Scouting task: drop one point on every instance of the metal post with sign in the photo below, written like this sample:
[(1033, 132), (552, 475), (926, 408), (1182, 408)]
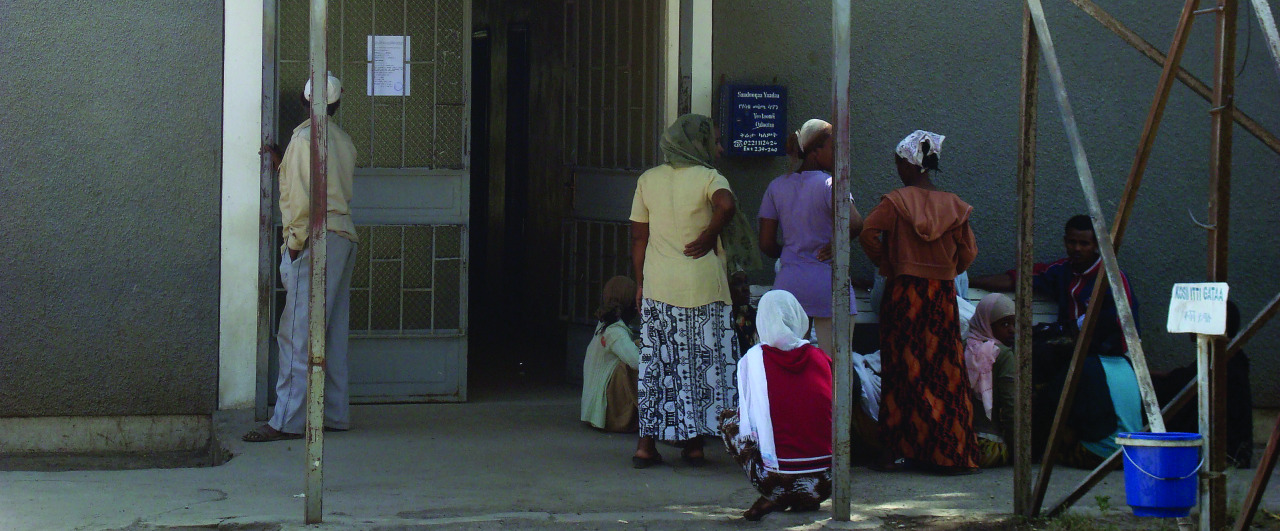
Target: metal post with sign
[(1201, 309)]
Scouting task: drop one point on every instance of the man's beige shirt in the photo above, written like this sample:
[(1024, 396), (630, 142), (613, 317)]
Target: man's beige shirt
[(295, 185)]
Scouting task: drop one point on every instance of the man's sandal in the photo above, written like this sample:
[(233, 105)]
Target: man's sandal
[(265, 433)]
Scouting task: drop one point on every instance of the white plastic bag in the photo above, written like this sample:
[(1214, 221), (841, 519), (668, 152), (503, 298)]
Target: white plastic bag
[(868, 368)]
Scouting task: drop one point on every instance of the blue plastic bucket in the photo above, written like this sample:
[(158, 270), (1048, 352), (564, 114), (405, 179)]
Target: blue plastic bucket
[(1160, 472)]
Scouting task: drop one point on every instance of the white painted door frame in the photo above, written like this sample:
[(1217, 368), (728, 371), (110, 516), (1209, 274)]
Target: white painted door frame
[(241, 203), (247, 256), (701, 87), (695, 36)]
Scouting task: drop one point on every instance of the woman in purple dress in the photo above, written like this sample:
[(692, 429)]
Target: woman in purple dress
[(800, 204)]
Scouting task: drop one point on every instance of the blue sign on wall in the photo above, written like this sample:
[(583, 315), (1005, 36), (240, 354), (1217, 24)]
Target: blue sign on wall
[(753, 120)]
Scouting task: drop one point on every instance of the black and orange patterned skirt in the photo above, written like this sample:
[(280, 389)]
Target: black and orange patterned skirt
[(925, 411)]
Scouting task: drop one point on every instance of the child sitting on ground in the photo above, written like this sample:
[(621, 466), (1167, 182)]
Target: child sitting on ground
[(609, 370)]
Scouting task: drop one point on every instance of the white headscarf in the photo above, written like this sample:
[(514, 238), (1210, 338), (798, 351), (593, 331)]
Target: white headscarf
[(810, 130), (912, 147), (780, 321)]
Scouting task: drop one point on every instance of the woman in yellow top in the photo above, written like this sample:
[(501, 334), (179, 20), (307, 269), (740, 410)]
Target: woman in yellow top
[(687, 343)]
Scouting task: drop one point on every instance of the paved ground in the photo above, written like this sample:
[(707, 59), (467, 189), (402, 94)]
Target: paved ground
[(518, 459)]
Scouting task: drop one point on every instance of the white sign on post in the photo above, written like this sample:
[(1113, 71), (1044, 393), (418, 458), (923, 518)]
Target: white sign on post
[(387, 65), (1198, 309)]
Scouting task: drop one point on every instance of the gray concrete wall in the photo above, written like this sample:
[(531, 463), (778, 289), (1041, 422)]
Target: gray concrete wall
[(953, 68), (109, 202)]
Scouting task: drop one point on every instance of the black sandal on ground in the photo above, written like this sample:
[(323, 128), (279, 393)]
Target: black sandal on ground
[(265, 433), (761, 507), (693, 461), (689, 449), (646, 462)]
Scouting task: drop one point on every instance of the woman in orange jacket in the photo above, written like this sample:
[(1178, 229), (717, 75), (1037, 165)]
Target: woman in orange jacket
[(920, 239)]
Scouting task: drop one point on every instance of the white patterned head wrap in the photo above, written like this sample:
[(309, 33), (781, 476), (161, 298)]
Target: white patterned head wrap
[(912, 147)]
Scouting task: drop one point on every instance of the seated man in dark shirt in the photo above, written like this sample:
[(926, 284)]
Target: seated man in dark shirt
[(1068, 281), (1099, 410)]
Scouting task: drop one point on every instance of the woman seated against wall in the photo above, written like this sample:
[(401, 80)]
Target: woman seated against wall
[(781, 432), (609, 371), (988, 359)]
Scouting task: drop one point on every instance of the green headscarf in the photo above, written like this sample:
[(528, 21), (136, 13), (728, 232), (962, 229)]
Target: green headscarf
[(691, 141)]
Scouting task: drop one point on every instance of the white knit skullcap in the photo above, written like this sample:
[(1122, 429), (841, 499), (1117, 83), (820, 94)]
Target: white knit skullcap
[(335, 89), (809, 131)]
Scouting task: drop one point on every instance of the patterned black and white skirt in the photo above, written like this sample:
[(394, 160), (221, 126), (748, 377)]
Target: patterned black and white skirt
[(688, 369)]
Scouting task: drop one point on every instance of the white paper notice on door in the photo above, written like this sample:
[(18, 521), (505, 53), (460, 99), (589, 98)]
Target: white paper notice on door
[(387, 61)]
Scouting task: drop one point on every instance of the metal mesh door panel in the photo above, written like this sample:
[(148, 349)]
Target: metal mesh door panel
[(388, 131), (594, 252), (611, 83), (407, 282)]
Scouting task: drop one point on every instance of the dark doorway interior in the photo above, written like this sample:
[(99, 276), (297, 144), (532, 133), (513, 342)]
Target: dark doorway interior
[(516, 205), (480, 315), (481, 48), (530, 361)]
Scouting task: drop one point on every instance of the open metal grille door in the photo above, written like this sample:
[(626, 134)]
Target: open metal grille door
[(409, 289), (613, 121)]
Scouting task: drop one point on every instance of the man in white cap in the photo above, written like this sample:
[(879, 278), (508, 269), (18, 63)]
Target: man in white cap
[(288, 420)]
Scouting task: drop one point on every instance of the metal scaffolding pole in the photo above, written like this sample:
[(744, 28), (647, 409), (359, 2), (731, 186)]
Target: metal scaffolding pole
[(1128, 199), (1197, 86), (318, 228), (1022, 498), (1262, 9), (1213, 399), (1171, 71), (842, 408), (1260, 479), (1110, 265)]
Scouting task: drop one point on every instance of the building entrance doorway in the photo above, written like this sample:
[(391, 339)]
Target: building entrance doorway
[(411, 205)]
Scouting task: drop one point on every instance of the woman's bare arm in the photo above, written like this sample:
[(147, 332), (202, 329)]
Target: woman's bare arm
[(723, 206), (639, 243), (768, 236)]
